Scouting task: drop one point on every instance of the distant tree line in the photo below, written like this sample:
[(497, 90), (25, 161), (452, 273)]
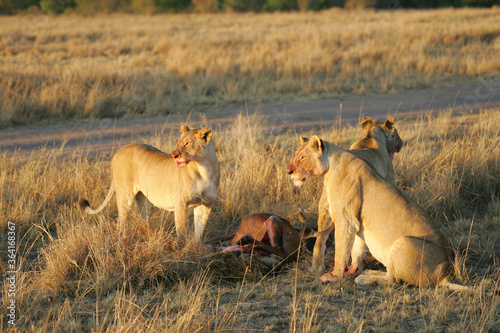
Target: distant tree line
[(157, 6)]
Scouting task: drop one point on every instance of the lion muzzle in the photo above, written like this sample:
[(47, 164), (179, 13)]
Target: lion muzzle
[(297, 177), (179, 160)]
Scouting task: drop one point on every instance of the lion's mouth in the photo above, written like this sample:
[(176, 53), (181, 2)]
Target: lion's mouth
[(181, 165), (395, 150), (298, 181)]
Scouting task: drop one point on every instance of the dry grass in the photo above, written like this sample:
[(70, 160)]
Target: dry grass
[(74, 274), (123, 65)]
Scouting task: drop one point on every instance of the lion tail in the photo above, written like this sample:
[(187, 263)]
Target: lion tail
[(85, 205), (458, 287), (311, 233)]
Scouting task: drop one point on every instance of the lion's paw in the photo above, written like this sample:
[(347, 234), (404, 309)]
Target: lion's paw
[(330, 278)]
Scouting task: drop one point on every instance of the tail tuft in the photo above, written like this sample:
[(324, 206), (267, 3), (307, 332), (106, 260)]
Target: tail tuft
[(83, 203)]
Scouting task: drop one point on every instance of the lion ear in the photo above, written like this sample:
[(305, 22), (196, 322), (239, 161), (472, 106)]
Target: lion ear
[(205, 134), (303, 140), (366, 122), (316, 143), (389, 124), (184, 129)]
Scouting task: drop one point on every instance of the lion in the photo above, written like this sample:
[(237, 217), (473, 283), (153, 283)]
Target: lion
[(394, 228), (377, 147), (379, 144), (189, 177)]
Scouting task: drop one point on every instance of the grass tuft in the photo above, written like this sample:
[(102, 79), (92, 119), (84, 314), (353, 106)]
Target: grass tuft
[(76, 274), (72, 67)]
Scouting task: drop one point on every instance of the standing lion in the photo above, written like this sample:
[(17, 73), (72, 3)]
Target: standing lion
[(189, 177)]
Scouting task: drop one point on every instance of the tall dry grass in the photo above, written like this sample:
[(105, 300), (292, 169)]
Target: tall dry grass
[(130, 65), (75, 274)]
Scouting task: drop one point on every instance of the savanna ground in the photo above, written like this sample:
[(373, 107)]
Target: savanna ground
[(74, 274)]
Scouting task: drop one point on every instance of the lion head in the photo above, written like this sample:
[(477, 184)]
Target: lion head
[(191, 145), (385, 132), (307, 161)]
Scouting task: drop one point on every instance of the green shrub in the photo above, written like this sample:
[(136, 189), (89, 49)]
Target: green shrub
[(173, 5), (99, 6), (281, 5), (243, 6), (476, 3), (54, 7), (14, 6)]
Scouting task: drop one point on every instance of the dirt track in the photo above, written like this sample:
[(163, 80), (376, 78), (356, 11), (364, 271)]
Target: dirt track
[(104, 135)]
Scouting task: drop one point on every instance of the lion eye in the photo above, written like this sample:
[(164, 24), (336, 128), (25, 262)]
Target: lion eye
[(187, 144), (302, 158)]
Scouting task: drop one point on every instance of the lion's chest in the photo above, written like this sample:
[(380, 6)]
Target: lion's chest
[(202, 192)]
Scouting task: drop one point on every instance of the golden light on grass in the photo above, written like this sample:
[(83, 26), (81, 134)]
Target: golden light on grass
[(129, 65), (76, 274)]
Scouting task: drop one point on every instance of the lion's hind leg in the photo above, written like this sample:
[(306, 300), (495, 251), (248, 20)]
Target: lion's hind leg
[(358, 253), (369, 277), (124, 201), (419, 261)]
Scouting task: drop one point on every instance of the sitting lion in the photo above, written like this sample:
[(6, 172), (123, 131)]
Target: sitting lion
[(187, 177), (377, 147), (397, 231)]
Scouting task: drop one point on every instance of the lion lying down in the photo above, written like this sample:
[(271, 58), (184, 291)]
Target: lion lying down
[(395, 229)]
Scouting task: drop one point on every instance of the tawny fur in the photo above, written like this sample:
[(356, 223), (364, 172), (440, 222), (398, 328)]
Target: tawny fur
[(377, 147), (397, 231), (189, 177)]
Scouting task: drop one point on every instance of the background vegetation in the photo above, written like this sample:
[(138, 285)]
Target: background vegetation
[(75, 274), (155, 6), (74, 67)]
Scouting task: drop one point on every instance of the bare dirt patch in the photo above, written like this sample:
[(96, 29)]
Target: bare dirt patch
[(109, 134)]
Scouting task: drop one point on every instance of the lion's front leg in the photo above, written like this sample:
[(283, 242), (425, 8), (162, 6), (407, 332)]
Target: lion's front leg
[(181, 220), (345, 233), (201, 214), (324, 222)]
